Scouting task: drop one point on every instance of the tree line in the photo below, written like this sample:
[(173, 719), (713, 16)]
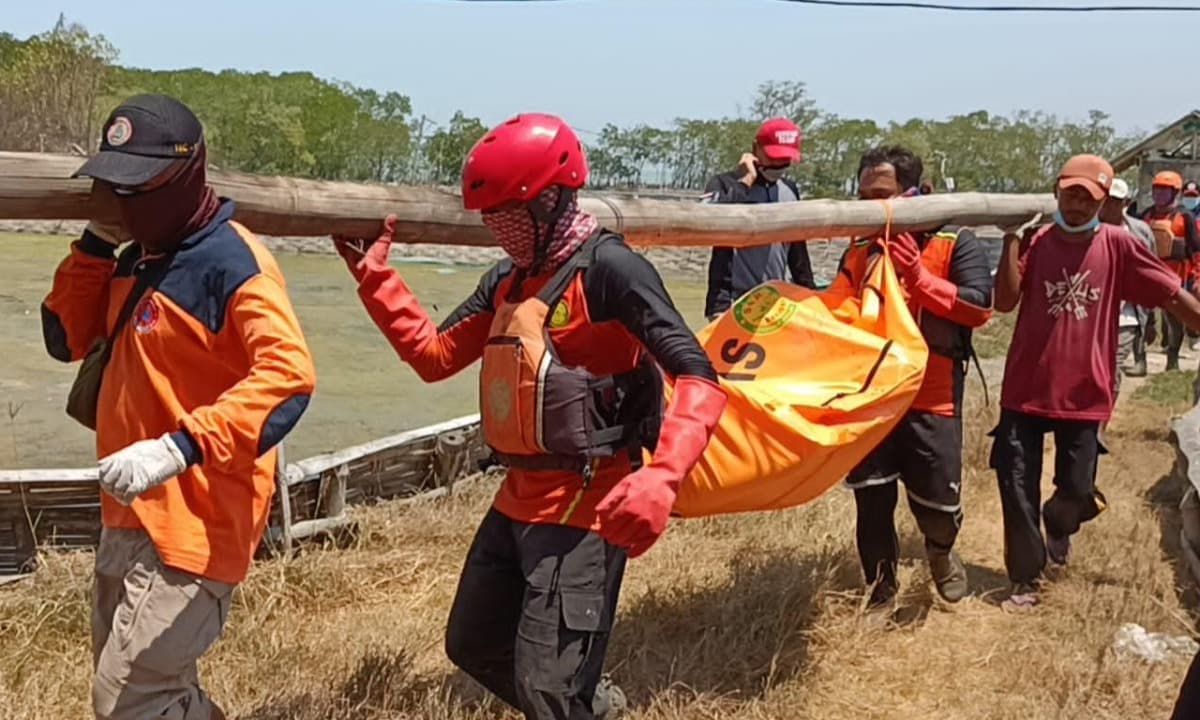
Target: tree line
[(57, 87)]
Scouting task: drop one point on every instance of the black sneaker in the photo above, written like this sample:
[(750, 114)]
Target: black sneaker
[(882, 594)]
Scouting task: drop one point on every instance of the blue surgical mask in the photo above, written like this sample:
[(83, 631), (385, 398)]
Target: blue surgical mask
[(1189, 202), (1089, 226)]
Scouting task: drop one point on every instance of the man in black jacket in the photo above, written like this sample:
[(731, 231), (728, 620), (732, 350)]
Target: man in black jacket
[(757, 179)]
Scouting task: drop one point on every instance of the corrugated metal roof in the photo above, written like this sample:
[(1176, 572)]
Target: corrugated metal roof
[(1163, 138)]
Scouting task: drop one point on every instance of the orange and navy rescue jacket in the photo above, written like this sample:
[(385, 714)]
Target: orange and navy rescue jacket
[(611, 312), (212, 354), (953, 254)]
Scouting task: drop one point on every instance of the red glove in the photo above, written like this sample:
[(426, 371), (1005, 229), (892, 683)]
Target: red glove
[(926, 289), (906, 258), (361, 252), (394, 308), (634, 513)]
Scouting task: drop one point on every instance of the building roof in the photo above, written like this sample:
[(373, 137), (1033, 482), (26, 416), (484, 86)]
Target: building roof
[(1173, 141)]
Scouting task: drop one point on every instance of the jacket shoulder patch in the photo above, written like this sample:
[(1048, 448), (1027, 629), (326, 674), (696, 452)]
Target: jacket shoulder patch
[(202, 278)]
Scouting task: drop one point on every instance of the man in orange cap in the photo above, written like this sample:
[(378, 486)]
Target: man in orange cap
[(1069, 279), (758, 178), (1177, 243)]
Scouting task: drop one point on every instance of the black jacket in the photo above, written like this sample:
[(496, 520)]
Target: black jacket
[(734, 271)]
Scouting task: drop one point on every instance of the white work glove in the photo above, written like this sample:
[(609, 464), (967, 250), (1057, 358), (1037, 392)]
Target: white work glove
[(136, 468)]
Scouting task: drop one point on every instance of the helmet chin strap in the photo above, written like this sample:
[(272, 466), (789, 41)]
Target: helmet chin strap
[(550, 218)]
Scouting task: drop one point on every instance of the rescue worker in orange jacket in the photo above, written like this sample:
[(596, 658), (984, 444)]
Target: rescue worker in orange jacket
[(948, 280), (572, 329), (1178, 245), (208, 372)]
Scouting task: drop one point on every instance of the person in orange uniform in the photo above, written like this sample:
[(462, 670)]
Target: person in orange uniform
[(572, 329), (949, 284), (208, 371), (1178, 243)]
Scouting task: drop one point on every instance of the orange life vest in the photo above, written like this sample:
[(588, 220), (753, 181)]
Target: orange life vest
[(1169, 241), (540, 414)]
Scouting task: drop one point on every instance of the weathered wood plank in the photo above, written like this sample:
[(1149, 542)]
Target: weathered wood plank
[(54, 476), (35, 186), (359, 453)]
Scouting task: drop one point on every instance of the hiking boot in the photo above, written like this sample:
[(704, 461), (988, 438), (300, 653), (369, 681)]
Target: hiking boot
[(949, 575), (1024, 597), (609, 702), (1058, 549)]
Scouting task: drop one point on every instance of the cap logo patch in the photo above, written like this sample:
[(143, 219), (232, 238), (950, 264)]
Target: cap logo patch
[(787, 137), (119, 132), (1103, 177)]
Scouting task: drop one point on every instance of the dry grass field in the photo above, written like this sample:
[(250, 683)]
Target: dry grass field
[(738, 617)]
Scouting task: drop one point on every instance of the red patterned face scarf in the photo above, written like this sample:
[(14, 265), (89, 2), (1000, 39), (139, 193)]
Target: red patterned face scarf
[(522, 231)]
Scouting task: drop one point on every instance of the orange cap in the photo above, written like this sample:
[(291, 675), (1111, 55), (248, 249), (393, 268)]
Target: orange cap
[(1170, 179), (1087, 171)]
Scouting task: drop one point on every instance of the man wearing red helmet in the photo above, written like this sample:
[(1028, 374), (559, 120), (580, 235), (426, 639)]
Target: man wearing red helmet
[(572, 329), (757, 179)]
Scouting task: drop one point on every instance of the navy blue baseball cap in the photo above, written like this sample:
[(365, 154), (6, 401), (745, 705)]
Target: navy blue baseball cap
[(142, 138)]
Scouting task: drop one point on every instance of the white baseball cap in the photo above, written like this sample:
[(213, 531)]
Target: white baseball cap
[(1119, 189)]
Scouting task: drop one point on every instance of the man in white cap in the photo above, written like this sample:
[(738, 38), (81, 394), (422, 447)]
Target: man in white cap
[(1133, 320)]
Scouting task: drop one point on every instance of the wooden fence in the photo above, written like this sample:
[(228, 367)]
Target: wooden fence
[(61, 507)]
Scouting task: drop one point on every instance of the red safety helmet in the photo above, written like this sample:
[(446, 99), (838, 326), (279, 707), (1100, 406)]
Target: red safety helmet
[(520, 158)]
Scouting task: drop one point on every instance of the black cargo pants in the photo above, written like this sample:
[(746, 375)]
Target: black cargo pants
[(925, 452), (1017, 459), (1187, 704), (532, 615)]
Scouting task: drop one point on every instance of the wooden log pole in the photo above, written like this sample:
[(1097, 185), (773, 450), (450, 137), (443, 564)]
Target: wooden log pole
[(449, 457), (36, 186)]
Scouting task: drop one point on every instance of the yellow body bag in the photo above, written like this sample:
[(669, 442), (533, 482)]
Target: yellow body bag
[(815, 381)]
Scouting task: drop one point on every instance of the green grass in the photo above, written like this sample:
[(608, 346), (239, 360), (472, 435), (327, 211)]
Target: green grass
[(364, 390), (1172, 390)]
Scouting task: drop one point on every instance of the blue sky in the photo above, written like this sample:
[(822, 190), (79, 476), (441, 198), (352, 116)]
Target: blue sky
[(635, 61)]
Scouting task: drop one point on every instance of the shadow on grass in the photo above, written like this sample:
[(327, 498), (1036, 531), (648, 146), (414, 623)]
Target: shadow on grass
[(383, 685), (1165, 496), (739, 638)]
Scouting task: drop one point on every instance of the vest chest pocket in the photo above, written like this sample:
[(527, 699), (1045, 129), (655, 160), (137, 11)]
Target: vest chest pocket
[(507, 391)]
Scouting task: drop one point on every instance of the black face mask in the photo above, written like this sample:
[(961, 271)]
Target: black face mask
[(158, 219), (772, 174)]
